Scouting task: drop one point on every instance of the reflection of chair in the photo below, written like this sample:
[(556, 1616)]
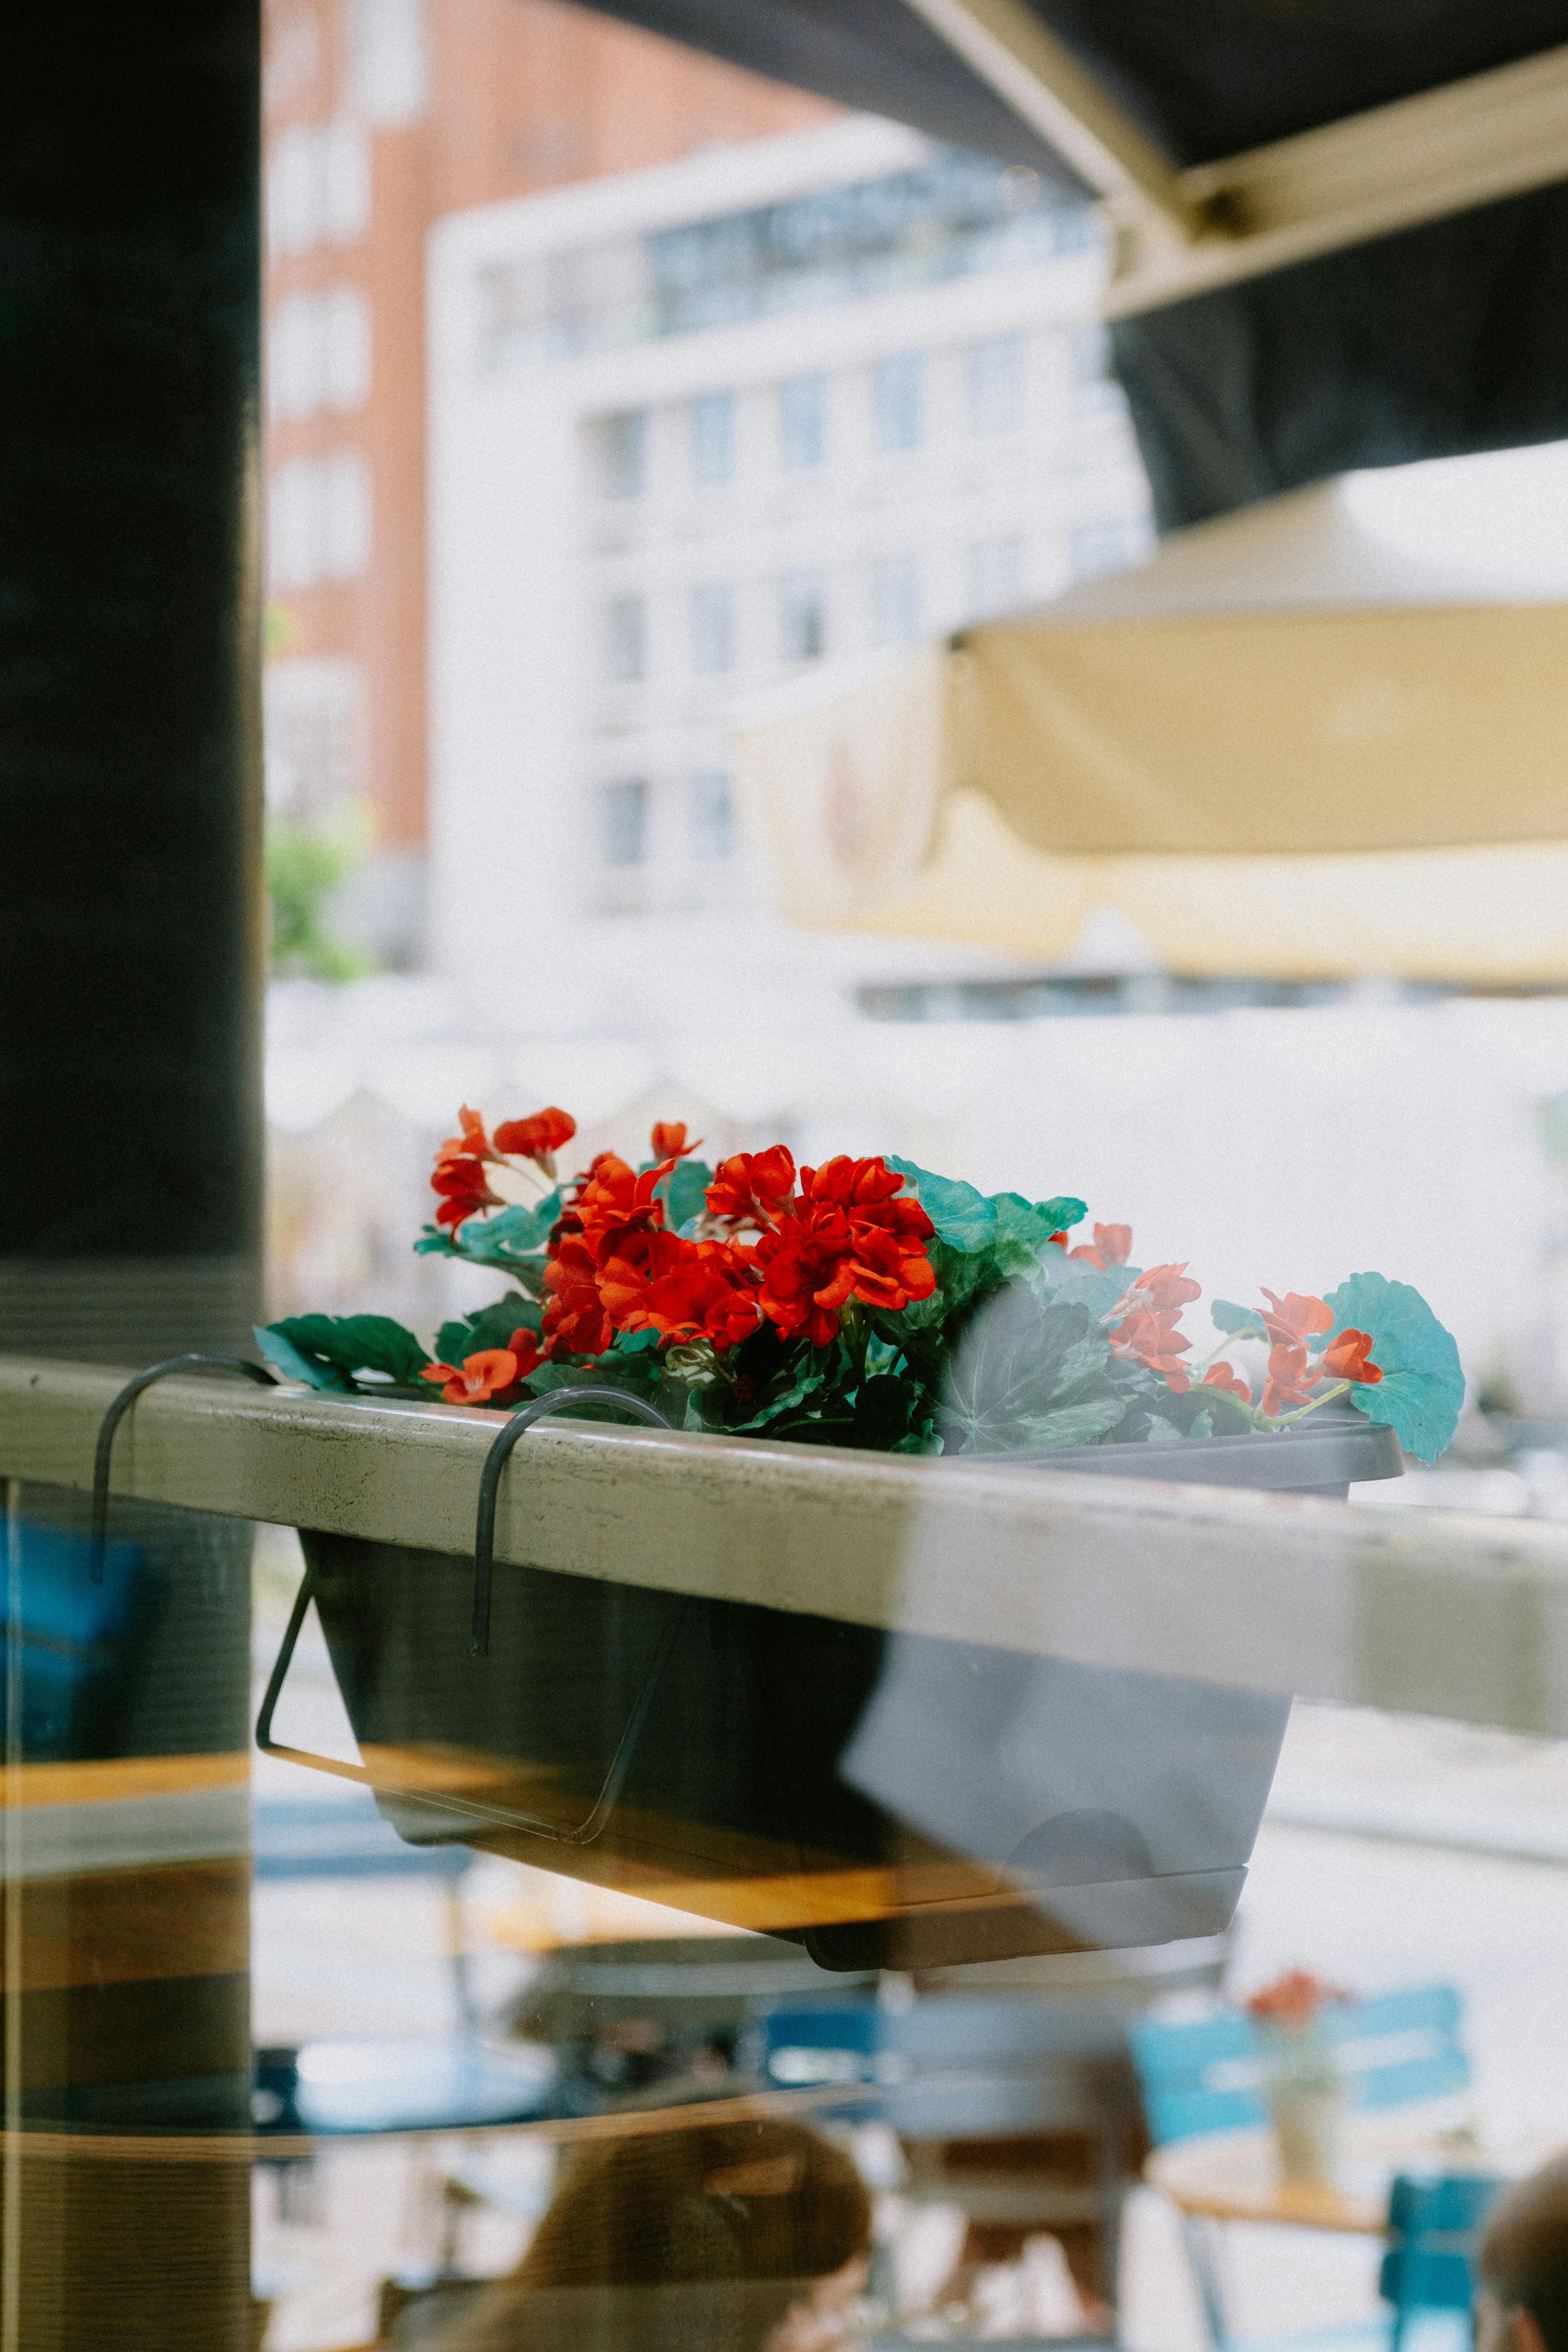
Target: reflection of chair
[(76, 1638), (1209, 2075), (1020, 2112), (1432, 2227)]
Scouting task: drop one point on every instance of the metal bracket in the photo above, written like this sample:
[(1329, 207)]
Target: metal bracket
[(116, 1415), (594, 1823)]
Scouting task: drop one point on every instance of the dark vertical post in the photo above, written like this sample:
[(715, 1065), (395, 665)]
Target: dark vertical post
[(130, 948)]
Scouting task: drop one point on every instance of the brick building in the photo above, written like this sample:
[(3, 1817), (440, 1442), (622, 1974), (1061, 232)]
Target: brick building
[(380, 116)]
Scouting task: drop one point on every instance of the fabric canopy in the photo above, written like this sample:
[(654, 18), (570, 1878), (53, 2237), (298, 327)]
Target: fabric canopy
[(1448, 336), (1284, 745)]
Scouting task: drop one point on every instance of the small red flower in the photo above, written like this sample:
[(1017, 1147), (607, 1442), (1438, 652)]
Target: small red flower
[(472, 1141), (1294, 2000), (464, 1188), (1221, 1376), (1295, 1317), (1153, 1339), (751, 1188), (1164, 1287), (1348, 1356), (669, 1139), (1059, 1241), (478, 1380), (576, 1322), (808, 1271), (1113, 1246), (1291, 1378), (538, 1137)]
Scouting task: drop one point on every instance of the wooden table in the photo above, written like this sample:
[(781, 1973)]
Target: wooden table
[(1220, 2176)]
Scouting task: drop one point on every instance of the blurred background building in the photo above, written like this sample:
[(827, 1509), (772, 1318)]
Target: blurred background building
[(382, 116)]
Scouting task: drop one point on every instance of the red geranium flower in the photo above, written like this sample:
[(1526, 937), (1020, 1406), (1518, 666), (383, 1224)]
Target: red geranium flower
[(1295, 1317), (1294, 2000), (1291, 1378), (751, 1188), (464, 1188), (1164, 1287), (575, 1317), (538, 1137), (1113, 1246), (807, 1267), (1221, 1376), (478, 1378), (472, 1141), (1153, 1339), (669, 1139), (1348, 1356), (684, 1290)]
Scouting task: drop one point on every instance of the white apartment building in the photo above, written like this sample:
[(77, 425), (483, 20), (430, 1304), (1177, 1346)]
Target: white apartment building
[(693, 431)]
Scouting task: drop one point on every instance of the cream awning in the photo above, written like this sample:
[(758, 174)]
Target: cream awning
[(1284, 745)]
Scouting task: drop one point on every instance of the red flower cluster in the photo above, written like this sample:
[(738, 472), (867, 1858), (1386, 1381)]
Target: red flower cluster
[(1113, 1246), (1149, 1312), (795, 1256), (1293, 2001), (459, 1172)]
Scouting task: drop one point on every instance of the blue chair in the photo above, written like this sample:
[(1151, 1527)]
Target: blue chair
[(1433, 2222), (1208, 2076), (75, 1639)]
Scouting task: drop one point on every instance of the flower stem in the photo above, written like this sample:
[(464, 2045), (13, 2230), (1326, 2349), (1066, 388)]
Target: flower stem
[(1302, 1411)]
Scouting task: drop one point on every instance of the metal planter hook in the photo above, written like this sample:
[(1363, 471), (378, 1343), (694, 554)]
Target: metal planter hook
[(116, 1415), (496, 1462)]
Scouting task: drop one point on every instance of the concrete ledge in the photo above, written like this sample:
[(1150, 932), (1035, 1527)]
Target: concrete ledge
[(1431, 1612)]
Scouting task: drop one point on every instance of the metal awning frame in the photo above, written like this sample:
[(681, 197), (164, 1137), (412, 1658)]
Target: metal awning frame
[(1184, 232)]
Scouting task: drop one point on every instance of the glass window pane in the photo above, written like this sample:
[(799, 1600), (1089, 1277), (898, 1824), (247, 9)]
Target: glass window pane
[(802, 616), (898, 402), (713, 427), (895, 600), (710, 816), (624, 823), (712, 627), (622, 448), (996, 568), (997, 374), (803, 423), (626, 639)]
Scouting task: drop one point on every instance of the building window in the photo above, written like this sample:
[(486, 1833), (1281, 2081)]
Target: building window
[(997, 371), (320, 519), (390, 58), (995, 575), (623, 454), (1095, 390), (803, 424), (626, 639), (318, 353), (802, 616), (712, 627), (318, 186), (313, 734), (712, 419), (895, 600), (623, 827), (898, 402), (710, 818), (1109, 543)]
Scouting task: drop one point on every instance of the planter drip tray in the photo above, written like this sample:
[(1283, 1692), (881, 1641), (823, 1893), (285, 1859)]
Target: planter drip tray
[(888, 1800)]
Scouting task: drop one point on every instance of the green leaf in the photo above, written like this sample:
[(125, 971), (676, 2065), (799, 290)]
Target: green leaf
[(345, 1344), (508, 1239), (1018, 1365), (965, 1219), (1423, 1383), (1237, 1320), (488, 1326), (1072, 1424), (1062, 1213), (682, 1192), (285, 1358)]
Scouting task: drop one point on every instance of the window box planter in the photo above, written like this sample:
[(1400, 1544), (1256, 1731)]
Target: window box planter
[(889, 1796)]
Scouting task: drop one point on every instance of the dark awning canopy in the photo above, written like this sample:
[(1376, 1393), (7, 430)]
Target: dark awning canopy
[(1341, 226)]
